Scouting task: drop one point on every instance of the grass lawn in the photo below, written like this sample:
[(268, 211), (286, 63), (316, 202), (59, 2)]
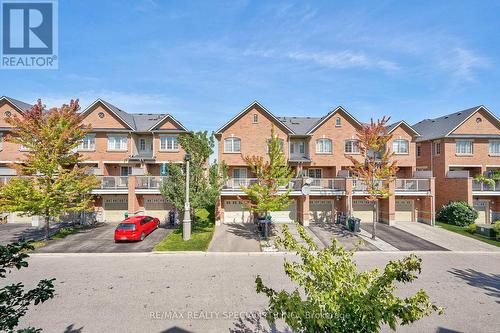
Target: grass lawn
[(61, 233), (201, 235), (463, 231)]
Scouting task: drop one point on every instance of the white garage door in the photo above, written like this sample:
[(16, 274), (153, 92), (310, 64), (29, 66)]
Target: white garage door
[(362, 209), (115, 208), (157, 207), (404, 210), (17, 218), (321, 211), (483, 208), (234, 212), (288, 215)]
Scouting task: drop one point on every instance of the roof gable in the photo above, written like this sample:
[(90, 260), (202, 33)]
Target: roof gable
[(252, 106), (330, 114), (16, 104), (403, 124), (489, 123), (124, 118), (167, 122)]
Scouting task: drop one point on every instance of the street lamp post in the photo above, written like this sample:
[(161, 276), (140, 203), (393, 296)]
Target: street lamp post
[(186, 223)]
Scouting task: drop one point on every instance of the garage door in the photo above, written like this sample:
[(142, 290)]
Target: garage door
[(115, 208), (482, 207), (288, 215), (234, 212), (404, 210), (17, 218), (362, 209), (321, 211), (157, 207)]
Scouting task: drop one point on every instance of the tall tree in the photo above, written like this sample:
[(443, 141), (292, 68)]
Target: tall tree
[(51, 179), (376, 168), (205, 179), (273, 174)]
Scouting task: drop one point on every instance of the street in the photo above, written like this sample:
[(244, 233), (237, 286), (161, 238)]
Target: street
[(209, 292)]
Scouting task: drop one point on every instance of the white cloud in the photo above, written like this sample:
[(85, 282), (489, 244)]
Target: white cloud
[(462, 63)]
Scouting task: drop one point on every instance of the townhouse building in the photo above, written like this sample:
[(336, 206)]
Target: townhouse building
[(317, 150), (127, 151), (456, 148)]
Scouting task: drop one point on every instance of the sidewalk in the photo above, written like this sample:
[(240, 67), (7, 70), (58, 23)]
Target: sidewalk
[(447, 239)]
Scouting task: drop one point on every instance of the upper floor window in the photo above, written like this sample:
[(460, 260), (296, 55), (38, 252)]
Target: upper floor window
[(463, 147), (400, 146), (88, 142), (351, 147), (419, 150), (297, 147), (255, 118), (232, 145), (169, 143), (239, 173), (494, 148), (324, 146), (437, 148), (315, 173), (117, 142), (338, 122)]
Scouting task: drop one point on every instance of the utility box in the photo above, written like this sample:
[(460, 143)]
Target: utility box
[(485, 230)]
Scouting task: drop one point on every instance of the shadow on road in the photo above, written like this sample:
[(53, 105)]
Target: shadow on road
[(71, 329), (490, 283), (245, 230)]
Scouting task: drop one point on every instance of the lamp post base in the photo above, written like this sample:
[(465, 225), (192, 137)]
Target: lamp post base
[(186, 230)]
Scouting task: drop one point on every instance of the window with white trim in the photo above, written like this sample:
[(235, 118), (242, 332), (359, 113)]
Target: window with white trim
[(400, 146), (232, 145), (351, 147), (88, 143), (463, 147), (494, 148), (324, 146), (169, 143), (315, 173), (142, 144), (240, 173), (437, 148), (338, 122), (117, 142), (255, 118)]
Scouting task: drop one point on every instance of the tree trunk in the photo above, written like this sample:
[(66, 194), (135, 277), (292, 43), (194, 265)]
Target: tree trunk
[(374, 229), (47, 225)]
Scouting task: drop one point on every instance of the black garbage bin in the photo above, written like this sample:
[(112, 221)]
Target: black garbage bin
[(354, 224), (264, 227)]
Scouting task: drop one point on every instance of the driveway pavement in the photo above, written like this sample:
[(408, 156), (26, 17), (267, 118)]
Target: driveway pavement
[(100, 240), (235, 237), (215, 292), (400, 239), (11, 232), (325, 232)]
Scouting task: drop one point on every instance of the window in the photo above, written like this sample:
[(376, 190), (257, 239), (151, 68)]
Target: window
[(494, 147), (338, 122), (232, 145), (315, 173), (169, 143), (463, 147), (351, 147), (117, 142), (255, 118), (88, 143), (437, 148), (419, 150), (324, 146), (240, 173), (142, 144), (400, 146), (269, 142), (300, 146)]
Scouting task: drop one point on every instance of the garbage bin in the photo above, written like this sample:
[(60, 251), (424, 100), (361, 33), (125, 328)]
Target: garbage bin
[(264, 227), (354, 224), (171, 217)]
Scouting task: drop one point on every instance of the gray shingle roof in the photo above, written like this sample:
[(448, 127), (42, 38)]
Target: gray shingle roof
[(300, 125), (144, 121), (430, 129), (126, 117), (19, 104)]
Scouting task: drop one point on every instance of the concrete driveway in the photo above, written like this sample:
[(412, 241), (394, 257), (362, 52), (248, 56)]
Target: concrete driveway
[(235, 237), (100, 240), (402, 240), (325, 232)]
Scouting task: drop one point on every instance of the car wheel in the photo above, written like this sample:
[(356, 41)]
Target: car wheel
[(142, 236)]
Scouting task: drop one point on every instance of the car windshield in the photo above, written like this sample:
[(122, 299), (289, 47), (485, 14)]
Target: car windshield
[(126, 226)]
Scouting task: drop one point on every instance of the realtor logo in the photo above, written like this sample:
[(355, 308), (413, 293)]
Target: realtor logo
[(29, 34)]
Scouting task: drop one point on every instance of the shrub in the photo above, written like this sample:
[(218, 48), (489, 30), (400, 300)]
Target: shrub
[(496, 229), (457, 213), (471, 228)]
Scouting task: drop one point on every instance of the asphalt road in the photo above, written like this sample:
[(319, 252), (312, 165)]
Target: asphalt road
[(149, 292), (100, 240)]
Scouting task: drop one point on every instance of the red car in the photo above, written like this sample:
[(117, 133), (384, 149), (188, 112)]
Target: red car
[(135, 228)]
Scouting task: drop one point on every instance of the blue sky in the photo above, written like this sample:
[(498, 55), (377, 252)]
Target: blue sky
[(204, 61)]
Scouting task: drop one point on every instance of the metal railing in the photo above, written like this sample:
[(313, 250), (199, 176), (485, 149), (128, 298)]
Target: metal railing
[(149, 182), (413, 185), (234, 184), (359, 185), (5, 179), (113, 182), (337, 184), (483, 187)]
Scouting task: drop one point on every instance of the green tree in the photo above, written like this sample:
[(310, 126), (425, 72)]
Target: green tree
[(205, 179), (51, 180), (14, 300), (376, 168), (273, 174), (333, 296)]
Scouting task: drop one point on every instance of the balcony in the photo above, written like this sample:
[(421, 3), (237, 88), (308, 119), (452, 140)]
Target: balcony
[(487, 188), (113, 183), (149, 182), (360, 186), (327, 184), (233, 185), (412, 185), (4, 179)]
